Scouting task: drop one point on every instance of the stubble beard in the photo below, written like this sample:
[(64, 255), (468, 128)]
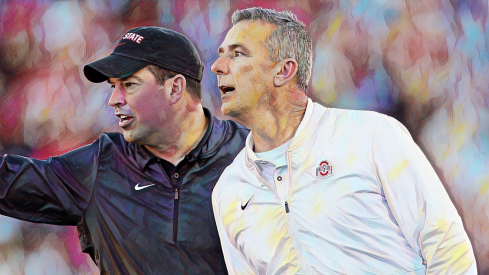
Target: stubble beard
[(137, 136)]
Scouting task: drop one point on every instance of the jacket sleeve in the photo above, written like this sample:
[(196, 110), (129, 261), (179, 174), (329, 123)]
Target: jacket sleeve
[(236, 262), (55, 191), (419, 202)]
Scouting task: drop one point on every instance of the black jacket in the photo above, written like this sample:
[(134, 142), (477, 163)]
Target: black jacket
[(132, 218)]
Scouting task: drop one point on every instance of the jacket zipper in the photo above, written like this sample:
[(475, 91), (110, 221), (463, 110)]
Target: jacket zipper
[(176, 204), (290, 216)]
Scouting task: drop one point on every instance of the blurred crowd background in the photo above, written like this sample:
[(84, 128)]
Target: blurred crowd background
[(424, 62)]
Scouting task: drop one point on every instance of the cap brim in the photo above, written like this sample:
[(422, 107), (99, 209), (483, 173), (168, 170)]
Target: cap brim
[(116, 66)]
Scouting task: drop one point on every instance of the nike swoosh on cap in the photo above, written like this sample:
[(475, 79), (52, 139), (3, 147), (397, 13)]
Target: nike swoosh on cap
[(137, 187)]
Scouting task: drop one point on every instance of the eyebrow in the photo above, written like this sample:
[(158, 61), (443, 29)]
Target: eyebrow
[(233, 47), (126, 78)]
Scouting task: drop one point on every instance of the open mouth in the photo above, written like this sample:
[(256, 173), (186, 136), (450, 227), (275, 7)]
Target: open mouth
[(225, 89), (124, 120)]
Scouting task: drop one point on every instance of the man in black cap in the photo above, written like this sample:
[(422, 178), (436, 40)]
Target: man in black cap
[(141, 199)]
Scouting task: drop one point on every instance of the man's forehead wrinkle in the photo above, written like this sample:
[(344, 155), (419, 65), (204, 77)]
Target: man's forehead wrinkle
[(260, 29)]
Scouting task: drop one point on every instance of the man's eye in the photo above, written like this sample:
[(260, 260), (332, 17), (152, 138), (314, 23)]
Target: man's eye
[(236, 53), (129, 84), (112, 86)]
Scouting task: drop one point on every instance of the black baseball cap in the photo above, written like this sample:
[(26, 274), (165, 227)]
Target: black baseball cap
[(144, 46)]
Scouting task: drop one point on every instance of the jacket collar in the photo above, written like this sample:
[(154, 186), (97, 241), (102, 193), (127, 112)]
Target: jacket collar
[(314, 114), (207, 146)]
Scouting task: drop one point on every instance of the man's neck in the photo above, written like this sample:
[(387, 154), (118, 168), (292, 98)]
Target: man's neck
[(185, 136), (277, 124)]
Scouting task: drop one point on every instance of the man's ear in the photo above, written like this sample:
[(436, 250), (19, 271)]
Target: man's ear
[(287, 71), (178, 86)]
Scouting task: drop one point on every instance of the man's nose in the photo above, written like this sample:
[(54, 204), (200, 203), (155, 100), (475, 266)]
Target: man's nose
[(117, 97), (220, 66)]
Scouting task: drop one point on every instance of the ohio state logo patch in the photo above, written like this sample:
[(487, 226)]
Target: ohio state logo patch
[(324, 169)]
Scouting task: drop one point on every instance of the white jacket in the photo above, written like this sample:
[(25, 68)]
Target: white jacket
[(362, 199)]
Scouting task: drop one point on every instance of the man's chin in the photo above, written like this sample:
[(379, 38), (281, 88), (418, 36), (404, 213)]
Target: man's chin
[(129, 137), (229, 111)]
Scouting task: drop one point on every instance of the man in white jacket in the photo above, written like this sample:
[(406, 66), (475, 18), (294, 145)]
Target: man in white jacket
[(319, 190)]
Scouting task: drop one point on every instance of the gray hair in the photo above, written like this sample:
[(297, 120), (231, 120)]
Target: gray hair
[(290, 40)]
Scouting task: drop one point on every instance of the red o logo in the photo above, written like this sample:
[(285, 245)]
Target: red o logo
[(323, 168)]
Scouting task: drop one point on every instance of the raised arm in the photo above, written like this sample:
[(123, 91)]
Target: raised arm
[(54, 191)]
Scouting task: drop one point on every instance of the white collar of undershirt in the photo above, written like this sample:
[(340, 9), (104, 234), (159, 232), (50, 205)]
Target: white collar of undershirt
[(276, 155)]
